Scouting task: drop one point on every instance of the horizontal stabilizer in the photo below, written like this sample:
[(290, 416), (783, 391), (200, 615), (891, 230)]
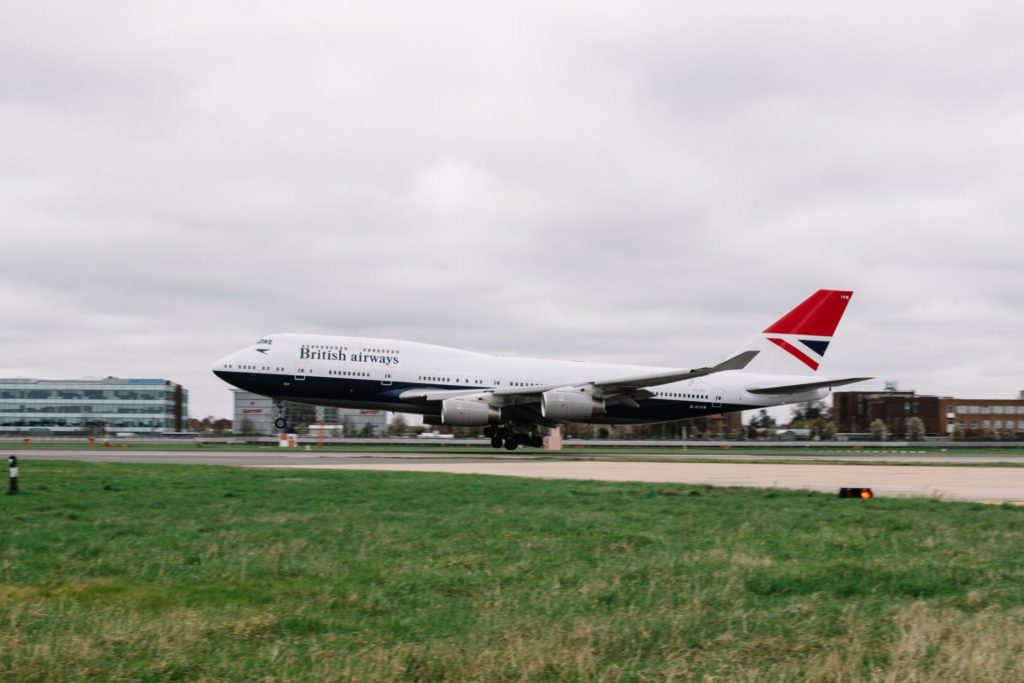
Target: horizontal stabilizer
[(805, 386)]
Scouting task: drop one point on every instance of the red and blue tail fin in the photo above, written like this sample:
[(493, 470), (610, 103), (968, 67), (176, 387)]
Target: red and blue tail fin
[(796, 343)]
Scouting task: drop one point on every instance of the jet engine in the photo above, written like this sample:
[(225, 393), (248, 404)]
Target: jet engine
[(570, 405), (459, 412)]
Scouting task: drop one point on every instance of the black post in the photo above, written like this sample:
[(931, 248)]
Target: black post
[(12, 462)]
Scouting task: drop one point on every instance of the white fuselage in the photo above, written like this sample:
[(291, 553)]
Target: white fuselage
[(373, 373)]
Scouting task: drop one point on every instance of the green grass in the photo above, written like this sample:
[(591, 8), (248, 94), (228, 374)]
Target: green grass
[(161, 572)]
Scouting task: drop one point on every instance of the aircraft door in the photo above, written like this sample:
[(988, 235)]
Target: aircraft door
[(716, 397), (376, 371), (301, 368)]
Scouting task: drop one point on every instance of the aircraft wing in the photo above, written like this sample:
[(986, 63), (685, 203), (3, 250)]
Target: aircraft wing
[(630, 384), (440, 394), (605, 388), (806, 386)]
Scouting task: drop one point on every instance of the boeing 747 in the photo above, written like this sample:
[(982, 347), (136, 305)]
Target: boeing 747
[(511, 398)]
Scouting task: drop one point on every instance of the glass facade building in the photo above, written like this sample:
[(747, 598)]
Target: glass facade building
[(82, 407), (255, 415)]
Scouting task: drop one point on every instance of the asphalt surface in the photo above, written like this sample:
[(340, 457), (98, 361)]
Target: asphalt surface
[(949, 482), (197, 456), (270, 458), (984, 484)]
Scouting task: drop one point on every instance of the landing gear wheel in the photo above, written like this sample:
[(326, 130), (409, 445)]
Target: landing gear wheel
[(503, 432), (281, 423), (496, 442), (536, 441), (522, 439), (510, 443), (489, 432)]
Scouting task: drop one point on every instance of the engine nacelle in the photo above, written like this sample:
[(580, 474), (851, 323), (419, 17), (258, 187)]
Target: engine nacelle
[(459, 412), (570, 405)]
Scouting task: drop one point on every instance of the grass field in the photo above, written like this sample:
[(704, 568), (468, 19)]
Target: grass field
[(160, 572)]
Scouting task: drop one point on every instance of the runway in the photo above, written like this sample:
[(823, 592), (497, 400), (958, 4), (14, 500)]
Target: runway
[(946, 482), (983, 484)]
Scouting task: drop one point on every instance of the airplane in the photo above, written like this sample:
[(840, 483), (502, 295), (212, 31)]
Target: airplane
[(511, 398)]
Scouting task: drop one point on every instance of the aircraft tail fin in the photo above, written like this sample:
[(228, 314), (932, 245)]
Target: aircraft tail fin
[(796, 343)]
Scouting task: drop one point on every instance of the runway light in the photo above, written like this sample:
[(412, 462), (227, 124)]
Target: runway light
[(863, 494)]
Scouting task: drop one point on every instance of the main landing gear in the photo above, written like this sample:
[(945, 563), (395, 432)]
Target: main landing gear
[(511, 439)]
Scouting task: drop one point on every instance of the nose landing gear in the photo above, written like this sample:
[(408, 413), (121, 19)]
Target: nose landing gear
[(281, 422)]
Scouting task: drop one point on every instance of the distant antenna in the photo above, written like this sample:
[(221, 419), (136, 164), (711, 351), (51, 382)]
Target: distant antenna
[(892, 386)]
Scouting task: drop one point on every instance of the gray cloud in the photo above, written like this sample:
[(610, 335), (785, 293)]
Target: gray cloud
[(644, 182)]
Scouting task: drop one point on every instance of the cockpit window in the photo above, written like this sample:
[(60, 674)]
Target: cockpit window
[(264, 341)]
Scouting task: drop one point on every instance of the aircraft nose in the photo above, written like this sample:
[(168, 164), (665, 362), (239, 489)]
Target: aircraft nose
[(222, 368)]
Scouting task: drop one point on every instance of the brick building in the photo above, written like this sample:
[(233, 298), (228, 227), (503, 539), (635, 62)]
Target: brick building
[(854, 411)]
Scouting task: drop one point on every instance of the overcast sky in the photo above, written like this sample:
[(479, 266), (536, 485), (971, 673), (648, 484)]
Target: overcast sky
[(647, 182)]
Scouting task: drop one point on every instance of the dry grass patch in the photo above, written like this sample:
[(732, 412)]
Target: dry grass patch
[(115, 572)]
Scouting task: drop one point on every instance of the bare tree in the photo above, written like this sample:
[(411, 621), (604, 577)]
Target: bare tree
[(915, 429), (879, 432), (807, 414), (398, 426), (761, 425), (828, 431)]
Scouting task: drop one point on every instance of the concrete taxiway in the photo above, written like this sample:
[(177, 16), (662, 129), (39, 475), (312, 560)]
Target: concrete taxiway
[(948, 481)]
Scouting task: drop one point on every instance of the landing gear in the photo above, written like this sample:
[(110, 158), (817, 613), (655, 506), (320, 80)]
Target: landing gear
[(499, 436), (512, 439), (280, 423)]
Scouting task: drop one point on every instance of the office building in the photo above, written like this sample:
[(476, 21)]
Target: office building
[(255, 415), (92, 407)]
